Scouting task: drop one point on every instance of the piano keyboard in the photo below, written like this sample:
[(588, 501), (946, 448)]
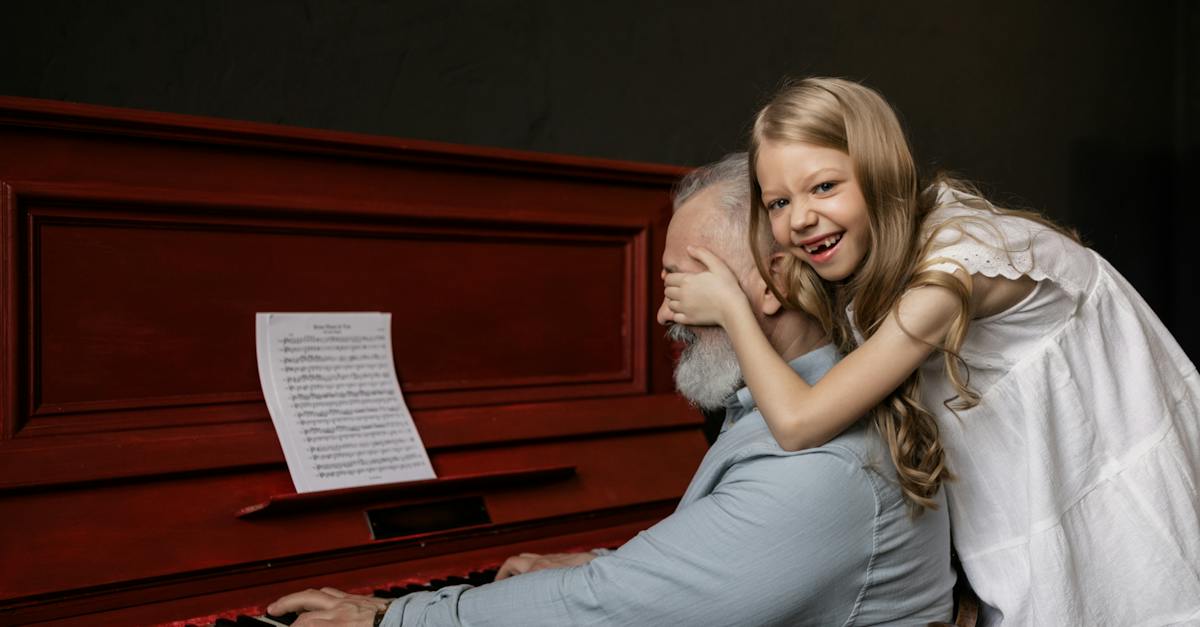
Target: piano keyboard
[(476, 578)]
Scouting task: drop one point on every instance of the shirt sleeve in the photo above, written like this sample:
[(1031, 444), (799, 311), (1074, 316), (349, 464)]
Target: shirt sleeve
[(780, 537)]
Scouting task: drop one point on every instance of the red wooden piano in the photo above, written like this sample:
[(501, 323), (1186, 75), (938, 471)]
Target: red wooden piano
[(141, 481)]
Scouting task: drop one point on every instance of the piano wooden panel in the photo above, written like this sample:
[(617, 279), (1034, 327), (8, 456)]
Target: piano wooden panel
[(477, 307), (137, 246)]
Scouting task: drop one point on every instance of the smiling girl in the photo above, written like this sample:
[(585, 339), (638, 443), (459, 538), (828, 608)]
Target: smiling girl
[(1068, 412)]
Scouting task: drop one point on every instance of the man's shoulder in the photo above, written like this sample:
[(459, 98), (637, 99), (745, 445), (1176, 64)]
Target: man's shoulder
[(856, 457), (750, 443), (750, 439)]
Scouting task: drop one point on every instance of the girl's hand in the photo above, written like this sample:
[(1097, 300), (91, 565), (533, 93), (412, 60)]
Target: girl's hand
[(704, 298)]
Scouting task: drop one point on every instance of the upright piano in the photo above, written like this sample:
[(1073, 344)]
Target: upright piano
[(141, 480)]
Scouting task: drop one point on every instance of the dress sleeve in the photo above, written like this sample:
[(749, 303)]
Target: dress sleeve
[(967, 234), (780, 537)]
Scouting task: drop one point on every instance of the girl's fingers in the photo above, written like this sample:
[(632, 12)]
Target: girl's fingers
[(712, 262), (675, 279)]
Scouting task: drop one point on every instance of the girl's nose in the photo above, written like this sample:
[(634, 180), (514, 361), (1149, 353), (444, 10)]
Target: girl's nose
[(802, 218)]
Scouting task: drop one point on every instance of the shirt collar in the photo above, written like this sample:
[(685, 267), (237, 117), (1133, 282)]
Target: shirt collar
[(811, 366)]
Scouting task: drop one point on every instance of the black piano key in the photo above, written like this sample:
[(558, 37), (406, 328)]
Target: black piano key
[(480, 577), (225, 622), (249, 621), (286, 619)]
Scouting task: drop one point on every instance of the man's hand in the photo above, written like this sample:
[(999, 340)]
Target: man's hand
[(329, 607), (529, 562)]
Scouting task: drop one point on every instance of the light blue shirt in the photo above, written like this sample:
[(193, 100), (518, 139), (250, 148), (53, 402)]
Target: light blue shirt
[(761, 537)]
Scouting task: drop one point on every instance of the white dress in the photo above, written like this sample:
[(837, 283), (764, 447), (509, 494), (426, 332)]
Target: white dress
[(1077, 497)]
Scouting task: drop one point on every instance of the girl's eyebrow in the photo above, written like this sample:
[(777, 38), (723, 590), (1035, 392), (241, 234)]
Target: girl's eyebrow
[(807, 181)]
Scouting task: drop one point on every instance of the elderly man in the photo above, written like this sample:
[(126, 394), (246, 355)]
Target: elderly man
[(761, 537)]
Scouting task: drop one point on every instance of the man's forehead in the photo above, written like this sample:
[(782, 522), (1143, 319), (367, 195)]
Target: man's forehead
[(693, 224), (698, 221)]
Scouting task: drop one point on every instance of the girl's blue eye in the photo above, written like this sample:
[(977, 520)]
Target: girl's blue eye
[(825, 187), (777, 204)]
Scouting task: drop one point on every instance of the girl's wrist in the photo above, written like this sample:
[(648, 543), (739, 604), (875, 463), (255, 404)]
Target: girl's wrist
[(739, 316)]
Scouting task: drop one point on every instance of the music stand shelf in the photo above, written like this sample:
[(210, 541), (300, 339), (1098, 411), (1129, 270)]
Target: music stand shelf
[(311, 501)]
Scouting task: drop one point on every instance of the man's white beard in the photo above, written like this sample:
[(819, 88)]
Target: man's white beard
[(708, 370)]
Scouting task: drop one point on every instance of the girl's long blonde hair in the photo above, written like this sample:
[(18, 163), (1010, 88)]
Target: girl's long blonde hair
[(854, 119)]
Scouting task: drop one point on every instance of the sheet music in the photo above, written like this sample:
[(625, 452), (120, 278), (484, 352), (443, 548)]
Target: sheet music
[(330, 385)]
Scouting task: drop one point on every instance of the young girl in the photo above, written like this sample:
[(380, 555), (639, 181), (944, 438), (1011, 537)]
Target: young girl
[(1068, 413)]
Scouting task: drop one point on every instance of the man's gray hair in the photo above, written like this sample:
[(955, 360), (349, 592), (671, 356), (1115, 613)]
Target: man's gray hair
[(708, 370), (732, 174)]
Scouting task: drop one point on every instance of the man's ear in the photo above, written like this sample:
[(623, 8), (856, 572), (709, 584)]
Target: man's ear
[(776, 265)]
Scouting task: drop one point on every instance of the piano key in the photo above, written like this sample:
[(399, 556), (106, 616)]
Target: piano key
[(249, 621), (480, 577)]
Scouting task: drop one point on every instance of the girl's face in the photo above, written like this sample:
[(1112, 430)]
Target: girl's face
[(817, 209)]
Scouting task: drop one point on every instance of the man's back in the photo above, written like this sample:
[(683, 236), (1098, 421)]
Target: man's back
[(762, 537), (844, 516)]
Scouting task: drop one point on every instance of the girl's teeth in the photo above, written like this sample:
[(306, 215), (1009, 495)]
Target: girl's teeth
[(828, 241)]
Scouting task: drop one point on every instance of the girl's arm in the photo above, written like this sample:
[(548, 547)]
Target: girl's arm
[(799, 415)]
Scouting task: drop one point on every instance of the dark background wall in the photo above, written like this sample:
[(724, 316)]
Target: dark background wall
[(1087, 111)]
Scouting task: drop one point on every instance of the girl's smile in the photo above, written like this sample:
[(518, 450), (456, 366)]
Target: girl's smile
[(817, 209), (822, 247)]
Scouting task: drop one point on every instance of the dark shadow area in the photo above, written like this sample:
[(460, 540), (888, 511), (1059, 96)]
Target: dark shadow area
[(1083, 110)]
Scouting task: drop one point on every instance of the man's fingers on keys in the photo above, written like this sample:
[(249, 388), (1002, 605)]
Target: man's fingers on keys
[(303, 601), (375, 603), (319, 618), (516, 565), (342, 615)]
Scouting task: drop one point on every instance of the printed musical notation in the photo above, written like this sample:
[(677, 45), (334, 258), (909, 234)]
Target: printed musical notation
[(331, 388)]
